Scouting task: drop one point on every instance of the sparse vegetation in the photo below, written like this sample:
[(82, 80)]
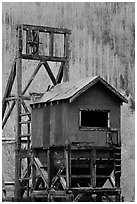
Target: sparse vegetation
[(102, 43)]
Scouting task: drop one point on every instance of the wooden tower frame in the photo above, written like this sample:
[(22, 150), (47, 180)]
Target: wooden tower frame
[(31, 53), (22, 182)]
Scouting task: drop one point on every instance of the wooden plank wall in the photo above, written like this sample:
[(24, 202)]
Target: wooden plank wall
[(94, 50), (102, 40)]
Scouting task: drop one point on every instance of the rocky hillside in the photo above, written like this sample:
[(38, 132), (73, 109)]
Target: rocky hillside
[(102, 43)]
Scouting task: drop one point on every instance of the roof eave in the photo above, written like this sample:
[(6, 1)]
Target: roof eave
[(98, 78), (122, 98), (84, 89)]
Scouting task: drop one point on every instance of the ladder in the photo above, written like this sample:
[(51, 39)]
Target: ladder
[(32, 52), (117, 164)]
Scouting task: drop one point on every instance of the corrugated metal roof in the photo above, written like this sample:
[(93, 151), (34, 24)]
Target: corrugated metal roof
[(72, 89)]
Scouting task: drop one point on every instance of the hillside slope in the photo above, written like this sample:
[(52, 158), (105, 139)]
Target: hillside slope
[(102, 43), (128, 153)]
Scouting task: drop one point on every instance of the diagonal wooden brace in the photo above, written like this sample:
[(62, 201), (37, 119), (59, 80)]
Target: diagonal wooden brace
[(41, 173), (60, 73), (8, 114), (78, 197), (57, 175), (47, 67), (9, 86)]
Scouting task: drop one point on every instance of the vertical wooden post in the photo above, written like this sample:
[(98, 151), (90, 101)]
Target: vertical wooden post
[(70, 167), (118, 197), (28, 161), (117, 180), (68, 172), (67, 166), (51, 44), (67, 55), (33, 175), (17, 192), (49, 173), (93, 168), (27, 39)]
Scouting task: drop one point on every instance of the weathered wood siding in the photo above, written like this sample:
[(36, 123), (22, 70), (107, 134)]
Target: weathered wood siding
[(55, 133), (37, 127), (99, 98), (102, 40), (58, 124), (46, 126), (50, 125)]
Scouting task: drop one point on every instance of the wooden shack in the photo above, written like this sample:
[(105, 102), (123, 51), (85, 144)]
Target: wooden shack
[(77, 111)]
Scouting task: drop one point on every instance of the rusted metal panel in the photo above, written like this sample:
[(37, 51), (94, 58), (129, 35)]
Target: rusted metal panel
[(74, 89)]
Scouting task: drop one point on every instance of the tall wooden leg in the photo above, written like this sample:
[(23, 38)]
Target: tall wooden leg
[(67, 167), (93, 168), (17, 192)]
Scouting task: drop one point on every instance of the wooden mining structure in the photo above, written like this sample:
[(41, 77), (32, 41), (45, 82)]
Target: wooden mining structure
[(68, 171)]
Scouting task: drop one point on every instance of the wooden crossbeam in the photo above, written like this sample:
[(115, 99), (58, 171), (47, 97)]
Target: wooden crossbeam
[(9, 86), (44, 58), (47, 29), (96, 190), (10, 98), (32, 77), (47, 67), (26, 97), (8, 114)]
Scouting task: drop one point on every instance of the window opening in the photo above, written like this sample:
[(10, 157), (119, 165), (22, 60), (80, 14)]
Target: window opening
[(94, 119)]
